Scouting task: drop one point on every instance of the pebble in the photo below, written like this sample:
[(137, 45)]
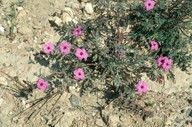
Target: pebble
[(21, 14), (66, 17), (89, 8), (2, 30), (169, 122), (1, 101), (3, 81), (24, 30), (74, 101), (19, 8), (56, 20)]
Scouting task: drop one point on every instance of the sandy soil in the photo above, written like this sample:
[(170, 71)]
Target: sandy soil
[(170, 102)]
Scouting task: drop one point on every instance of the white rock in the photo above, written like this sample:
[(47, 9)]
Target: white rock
[(169, 122), (66, 17), (3, 81), (57, 20), (2, 30), (19, 8), (1, 101), (89, 8)]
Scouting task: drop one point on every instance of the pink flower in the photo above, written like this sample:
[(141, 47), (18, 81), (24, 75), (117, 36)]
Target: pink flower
[(149, 4), (79, 74), (154, 45), (41, 84), (48, 48), (164, 62), (119, 53), (65, 47), (77, 31), (81, 54), (161, 60), (167, 64), (141, 87)]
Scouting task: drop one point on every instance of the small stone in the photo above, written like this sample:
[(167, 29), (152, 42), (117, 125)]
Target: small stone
[(24, 30), (19, 8), (114, 119), (3, 81), (15, 119), (99, 122), (21, 14), (74, 101), (2, 30), (1, 101), (56, 20), (169, 122), (89, 8), (14, 30), (72, 89), (66, 17), (7, 64), (93, 114)]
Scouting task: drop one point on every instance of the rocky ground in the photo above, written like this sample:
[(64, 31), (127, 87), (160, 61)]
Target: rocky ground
[(30, 27)]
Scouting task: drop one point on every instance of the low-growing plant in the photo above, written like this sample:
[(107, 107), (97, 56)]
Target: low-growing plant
[(10, 17), (103, 49)]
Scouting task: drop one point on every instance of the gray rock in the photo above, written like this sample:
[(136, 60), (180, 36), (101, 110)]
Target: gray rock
[(74, 101)]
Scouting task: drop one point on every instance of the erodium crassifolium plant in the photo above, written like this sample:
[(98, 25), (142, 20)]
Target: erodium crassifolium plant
[(102, 48)]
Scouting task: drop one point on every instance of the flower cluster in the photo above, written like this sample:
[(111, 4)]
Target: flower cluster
[(164, 62), (65, 48)]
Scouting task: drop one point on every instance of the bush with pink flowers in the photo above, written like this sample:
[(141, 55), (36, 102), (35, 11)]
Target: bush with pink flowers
[(101, 48)]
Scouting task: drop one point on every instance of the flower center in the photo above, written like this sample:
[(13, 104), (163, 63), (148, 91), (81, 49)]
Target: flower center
[(79, 73), (162, 61), (41, 84), (149, 4), (142, 87), (64, 47), (48, 47), (81, 53)]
